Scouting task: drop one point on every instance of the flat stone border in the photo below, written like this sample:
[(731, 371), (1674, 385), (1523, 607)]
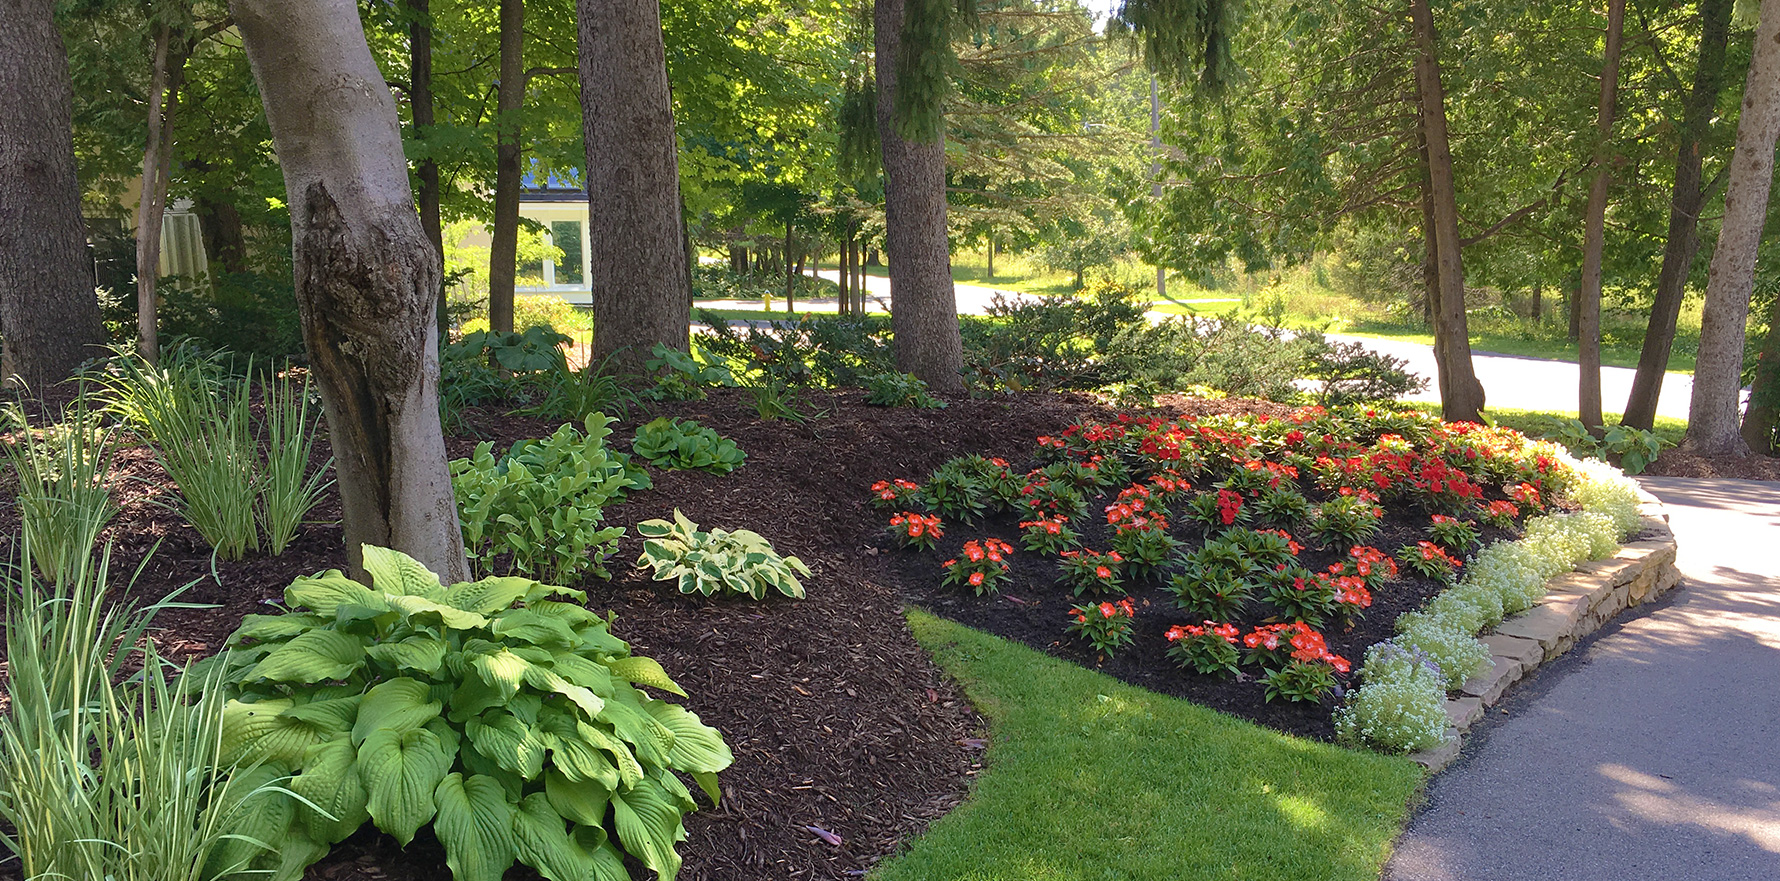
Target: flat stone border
[(1575, 605)]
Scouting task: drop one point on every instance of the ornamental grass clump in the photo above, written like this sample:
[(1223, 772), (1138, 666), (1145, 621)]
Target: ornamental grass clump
[(63, 497), (501, 713)]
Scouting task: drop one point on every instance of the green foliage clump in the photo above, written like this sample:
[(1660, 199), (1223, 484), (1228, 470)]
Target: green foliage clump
[(686, 445), (900, 390), (63, 497), (1401, 705), (1350, 373), (541, 505), (1447, 638), (827, 351), (506, 719), (1345, 521), (718, 561), (683, 376)]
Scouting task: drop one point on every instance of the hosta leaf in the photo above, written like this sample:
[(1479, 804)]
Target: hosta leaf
[(503, 670), (545, 680), (255, 732), (259, 818), (267, 627), (629, 769), (296, 852), (503, 738), (397, 705), (488, 596), (697, 746), (644, 671), (476, 826), (544, 842), (394, 572), (316, 656), (647, 737), (473, 696), (400, 771), (579, 751), (581, 801), (608, 863), (590, 675), (457, 619), (421, 654), (330, 781), (572, 614), (324, 593), (528, 626), (649, 826), (330, 715)]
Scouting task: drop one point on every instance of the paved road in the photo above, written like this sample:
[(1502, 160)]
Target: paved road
[(1649, 753), (1508, 380)]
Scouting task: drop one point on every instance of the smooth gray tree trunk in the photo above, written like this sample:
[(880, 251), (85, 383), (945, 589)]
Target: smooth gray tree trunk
[(1594, 236), (923, 303), (638, 273), (366, 275), (1713, 428), (49, 315)]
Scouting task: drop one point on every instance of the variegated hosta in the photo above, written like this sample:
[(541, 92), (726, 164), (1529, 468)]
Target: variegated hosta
[(508, 719)]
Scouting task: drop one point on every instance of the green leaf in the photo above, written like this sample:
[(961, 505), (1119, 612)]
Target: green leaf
[(270, 627), (398, 705), (316, 656), (476, 826), (394, 572), (504, 670), (581, 801), (697, 746), (588, 674), (644, 671), (454, 618), (260, 732), (330, 715), (258, 820), (580, 751), (544, 842), (650, 738), (421, 654), (488, 596), (325, 592), (527, 626), (503, 738), (330, 782), (400, 772), (649, 826), (545, 680)]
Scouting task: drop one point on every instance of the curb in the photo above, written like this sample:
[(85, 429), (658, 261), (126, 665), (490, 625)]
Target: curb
[(1575, 605)]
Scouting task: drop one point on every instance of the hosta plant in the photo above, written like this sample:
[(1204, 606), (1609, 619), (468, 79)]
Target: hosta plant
[(504, 717), (718, 561), (686, 445), (1106, 626)]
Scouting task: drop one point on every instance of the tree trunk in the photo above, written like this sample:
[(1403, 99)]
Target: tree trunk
[(1461, 395), (859, 278), (225, 238), (366, 276), (1763, 412), (1536, 307), (420, 108), (844, 273), (790, 274), (639, 266), (1685, 201), (49, 315), (738, 259), (989, 271), (157, 167), (924, 319), (503, 245), (1712, 425), (1594, 236)]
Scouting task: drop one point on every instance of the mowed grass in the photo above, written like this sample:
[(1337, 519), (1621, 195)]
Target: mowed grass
[(1544, 423), (1088, 778)]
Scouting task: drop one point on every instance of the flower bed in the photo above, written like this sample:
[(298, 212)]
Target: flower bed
[(1262, 559)]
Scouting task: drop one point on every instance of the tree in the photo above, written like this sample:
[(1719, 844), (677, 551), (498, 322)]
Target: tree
[(49, 316), (1687, 197), (365, 276), (1594, 238), (642, 293), (913, 47), (503, 249), (1712, 425)]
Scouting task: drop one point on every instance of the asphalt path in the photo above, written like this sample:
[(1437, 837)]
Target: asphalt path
[(1509, 381), (1649, 751)]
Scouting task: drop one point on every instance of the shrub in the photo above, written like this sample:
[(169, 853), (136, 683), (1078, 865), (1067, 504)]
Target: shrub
[(899, 390), (547, 312), (508, 720), (1350, 373), (706, 563), (686, 445), (1401, 705), (685, 376), (542, 503)]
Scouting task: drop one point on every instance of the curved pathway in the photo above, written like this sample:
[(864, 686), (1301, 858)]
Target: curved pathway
[(1648, 753)]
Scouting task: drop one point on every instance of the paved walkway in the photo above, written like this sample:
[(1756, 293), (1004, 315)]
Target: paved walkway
[(1652, 752)]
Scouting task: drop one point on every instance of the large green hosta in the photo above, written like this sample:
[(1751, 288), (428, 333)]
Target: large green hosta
[(508, 720)]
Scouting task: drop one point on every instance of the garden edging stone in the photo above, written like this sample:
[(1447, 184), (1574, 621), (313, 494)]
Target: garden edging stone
[(1576, 604)]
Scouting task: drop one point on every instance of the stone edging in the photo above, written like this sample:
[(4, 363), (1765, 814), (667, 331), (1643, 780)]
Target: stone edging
[(1575, 605)]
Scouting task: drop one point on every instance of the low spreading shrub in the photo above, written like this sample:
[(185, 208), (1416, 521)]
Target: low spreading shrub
[(686, 445), (899, 390), (718, 561)]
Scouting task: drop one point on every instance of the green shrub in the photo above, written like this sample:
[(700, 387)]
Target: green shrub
[(718, 561), (1350, 373), (542, 503), (548, 312), (1401, 705), (686, 445), (63, 497), (507, 720), (900, 390)]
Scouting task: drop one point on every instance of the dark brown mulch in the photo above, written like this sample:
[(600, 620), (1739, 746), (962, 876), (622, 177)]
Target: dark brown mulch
[(839, 722), (1680, 463)]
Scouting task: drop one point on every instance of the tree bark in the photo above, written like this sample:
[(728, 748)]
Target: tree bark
[(1594, 236), (366, 276), (790, 273), (49, 315), (639, 266), (503, 246), (1461, 395), (844, 273), (924, 311), (1763, 412), (989, 271), (1712, 424), (157, 167), (420, 109), (1685, 200)]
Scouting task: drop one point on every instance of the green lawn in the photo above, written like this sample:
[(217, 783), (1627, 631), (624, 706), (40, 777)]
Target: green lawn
[(1088, 778), (1539, 423)]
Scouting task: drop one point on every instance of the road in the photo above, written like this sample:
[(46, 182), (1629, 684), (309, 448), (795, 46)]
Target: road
[(1509, 381)]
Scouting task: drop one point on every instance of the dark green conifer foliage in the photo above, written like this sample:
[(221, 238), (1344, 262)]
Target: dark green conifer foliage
[(1184, 41)]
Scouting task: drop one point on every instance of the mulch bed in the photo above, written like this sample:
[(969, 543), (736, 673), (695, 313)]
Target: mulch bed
[(842, 727), (1680, 463)]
